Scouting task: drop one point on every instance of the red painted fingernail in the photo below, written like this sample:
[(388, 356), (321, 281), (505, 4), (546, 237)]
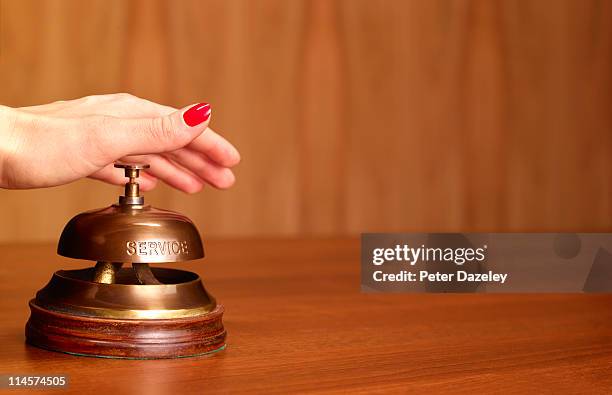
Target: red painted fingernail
[(197, 114)]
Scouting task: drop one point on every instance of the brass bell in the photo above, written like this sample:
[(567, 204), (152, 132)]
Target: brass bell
[(127, 312)]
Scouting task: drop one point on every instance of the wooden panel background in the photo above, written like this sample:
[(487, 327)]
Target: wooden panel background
[(351, 116)]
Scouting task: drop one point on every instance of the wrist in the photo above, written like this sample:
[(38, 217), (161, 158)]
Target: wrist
[(8, 141)]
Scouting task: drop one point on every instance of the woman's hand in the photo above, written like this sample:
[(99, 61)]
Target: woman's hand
[(57, 143)]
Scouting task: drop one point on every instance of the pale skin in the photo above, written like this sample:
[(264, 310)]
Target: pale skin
[(61, 142)]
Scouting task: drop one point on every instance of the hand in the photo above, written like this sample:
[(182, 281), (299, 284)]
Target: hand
[(57, 143)]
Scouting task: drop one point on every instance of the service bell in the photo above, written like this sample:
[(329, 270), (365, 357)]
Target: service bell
[(114, 310)]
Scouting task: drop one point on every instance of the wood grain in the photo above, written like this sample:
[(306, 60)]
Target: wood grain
[(351, 115), (297, 322)]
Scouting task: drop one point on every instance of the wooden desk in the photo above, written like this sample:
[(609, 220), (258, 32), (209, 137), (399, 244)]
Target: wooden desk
[(297, 322)]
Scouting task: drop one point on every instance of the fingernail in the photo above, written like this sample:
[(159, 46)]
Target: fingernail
[(197, 114)]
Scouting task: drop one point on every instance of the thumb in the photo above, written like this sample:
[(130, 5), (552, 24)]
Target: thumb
[(138, 136)]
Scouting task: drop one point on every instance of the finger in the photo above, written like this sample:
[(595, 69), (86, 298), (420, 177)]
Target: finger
[(174, 175), (111, 137), (216, 148), (148, 181), (115, 176), (209, 171)]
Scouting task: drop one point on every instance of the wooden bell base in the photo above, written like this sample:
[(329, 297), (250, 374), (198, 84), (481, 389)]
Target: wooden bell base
[(126, 338)]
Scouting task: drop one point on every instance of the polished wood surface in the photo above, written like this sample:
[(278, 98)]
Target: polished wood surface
[(297, 322), (351, 115)]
